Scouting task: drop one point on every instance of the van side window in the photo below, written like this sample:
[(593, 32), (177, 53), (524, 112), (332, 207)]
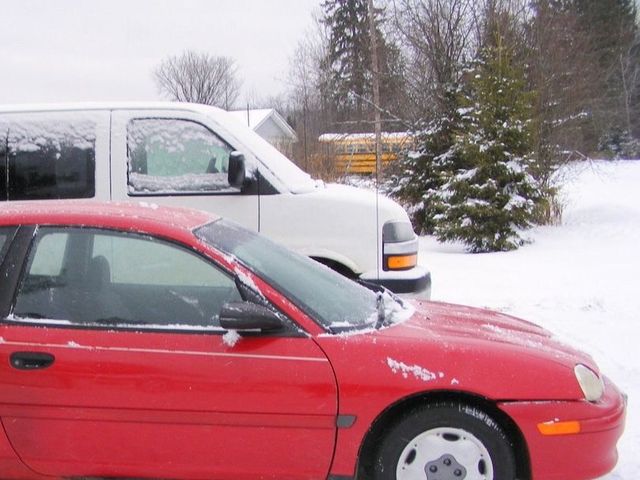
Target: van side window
[(169, 155), (47, 156)]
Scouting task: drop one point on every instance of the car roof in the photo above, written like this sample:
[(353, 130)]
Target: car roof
[(88, 106), (143, 217)]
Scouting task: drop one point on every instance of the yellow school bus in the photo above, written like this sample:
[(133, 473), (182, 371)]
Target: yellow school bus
[(356, 152)]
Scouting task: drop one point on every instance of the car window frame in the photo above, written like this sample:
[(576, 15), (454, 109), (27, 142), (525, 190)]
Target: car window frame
[(4, 248), (4, 168), (12, 265), (19, 254)]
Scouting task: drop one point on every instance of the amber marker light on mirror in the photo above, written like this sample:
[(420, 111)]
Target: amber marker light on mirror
[(559, 428)]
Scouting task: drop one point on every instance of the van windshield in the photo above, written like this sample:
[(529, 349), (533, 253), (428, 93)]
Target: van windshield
[(295, 179), (332, 300)]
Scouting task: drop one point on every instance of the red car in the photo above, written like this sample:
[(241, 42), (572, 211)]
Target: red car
[(148, 342)]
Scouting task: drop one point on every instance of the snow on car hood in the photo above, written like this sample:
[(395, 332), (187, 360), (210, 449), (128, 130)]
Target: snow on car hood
[(458, 324), (445, 347)]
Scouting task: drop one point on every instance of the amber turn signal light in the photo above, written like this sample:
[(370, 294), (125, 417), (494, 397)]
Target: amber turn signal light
[(402, 262), (559, 428)]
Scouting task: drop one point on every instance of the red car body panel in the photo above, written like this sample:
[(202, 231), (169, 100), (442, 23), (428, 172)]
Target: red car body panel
[(445, 348), (188, 405), (107, 388), (589, 454)]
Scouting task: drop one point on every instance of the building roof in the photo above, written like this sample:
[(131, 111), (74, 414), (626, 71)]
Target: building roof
[(257, 117)]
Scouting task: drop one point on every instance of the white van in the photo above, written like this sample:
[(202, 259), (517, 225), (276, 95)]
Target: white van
[(201, 157)]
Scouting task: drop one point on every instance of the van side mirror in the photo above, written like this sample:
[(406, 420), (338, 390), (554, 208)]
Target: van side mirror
[(248, 317), (236, 173)]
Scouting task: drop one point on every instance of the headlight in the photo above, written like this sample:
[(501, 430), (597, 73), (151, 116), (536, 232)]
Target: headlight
[(591, 384)]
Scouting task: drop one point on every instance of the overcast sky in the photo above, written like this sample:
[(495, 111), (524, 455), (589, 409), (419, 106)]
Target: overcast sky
[(74, 50)]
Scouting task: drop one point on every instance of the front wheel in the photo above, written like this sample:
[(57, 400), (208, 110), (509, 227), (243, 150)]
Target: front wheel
[(445, 441)]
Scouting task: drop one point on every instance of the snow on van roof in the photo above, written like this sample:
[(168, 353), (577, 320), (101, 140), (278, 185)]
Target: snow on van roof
[(334, 137), (122, 105), (289, 174)]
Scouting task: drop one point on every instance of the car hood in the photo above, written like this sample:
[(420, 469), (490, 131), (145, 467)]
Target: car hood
[(445, 322), (452, 347)]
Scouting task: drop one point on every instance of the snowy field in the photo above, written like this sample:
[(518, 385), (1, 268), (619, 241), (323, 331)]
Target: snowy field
[(581, 280)]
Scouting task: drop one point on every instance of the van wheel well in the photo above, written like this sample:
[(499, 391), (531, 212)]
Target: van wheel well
[(369, 448), (336, 266)]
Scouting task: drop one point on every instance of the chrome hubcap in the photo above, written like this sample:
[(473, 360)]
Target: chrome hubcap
[(445, 454)]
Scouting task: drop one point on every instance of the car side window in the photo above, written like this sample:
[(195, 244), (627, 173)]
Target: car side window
[(44, 156), (48, 257), (176, 156), (101, 278)]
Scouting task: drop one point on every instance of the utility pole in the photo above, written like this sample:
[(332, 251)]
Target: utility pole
[(376, 84), (376, 108)]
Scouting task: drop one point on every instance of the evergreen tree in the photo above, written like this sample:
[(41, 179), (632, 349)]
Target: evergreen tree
[(491, 196), (563, 78), (349, 51), (348, 83), (418, 176), (610, 27), (632, 95), (436, 35)]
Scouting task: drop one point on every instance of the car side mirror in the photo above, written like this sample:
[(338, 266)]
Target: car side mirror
[(236, 173), (249, 317)]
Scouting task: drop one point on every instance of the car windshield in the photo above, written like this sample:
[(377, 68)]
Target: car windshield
[(331, 299)]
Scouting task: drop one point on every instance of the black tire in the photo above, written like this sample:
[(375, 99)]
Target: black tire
[(427, 440)]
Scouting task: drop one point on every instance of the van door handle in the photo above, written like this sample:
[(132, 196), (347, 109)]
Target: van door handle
[(31, 360)]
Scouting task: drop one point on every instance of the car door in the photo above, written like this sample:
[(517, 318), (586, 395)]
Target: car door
[(177, 158), (112, 365)]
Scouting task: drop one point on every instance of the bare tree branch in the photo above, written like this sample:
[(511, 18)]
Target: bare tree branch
[(438, 36), (199, 78)]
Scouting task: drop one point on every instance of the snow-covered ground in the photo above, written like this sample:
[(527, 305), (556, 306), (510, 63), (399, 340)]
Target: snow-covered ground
[(580, 279)]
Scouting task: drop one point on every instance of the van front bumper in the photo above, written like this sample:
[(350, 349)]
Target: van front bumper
[(414, 283)]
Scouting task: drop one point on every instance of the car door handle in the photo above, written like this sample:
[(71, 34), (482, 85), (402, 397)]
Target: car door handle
[(31, 360)]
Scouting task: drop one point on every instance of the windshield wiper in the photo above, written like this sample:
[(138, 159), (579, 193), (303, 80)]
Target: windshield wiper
[(380, 308)]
